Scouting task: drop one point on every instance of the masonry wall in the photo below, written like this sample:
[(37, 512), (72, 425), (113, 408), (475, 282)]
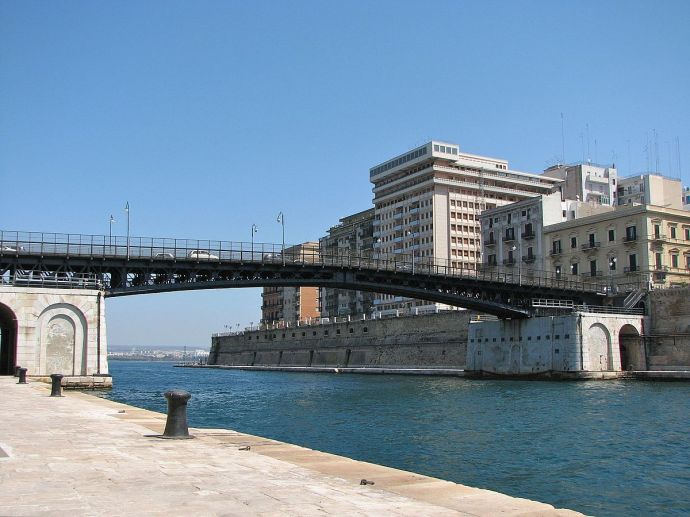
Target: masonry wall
[(668, 338), (431, 341), (59, 331)]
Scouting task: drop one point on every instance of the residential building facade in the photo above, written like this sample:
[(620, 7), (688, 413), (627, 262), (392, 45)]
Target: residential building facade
[(427, 203), (353, 235), (289, 305), (587, 182), (513, 235), (630, 247), (651, 189)]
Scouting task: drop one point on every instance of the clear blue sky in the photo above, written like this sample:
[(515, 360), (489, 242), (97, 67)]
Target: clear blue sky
[(210, 116)]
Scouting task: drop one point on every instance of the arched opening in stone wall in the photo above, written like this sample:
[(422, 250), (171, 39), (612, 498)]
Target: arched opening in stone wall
[(8, 340), (599, 347), (60, 345), (632, 349)]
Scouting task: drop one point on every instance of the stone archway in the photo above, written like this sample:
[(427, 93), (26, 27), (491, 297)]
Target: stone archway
[(599, 346), (8, 340), (631, 348)]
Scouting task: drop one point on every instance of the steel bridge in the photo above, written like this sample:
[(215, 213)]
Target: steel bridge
[(124, 266)]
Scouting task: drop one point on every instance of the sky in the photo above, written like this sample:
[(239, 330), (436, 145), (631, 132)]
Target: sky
[(210, 116)]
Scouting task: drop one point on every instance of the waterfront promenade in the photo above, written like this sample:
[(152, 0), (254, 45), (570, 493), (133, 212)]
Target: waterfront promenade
[(89, 456)]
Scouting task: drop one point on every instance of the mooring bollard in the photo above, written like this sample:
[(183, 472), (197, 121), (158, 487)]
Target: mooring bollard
[(16, 370), (176, 424), (22, 376), (56, 389)]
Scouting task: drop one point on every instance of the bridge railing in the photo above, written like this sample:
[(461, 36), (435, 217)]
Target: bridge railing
[(163, 250)]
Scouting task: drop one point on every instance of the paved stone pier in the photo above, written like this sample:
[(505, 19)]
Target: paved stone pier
[(82, 455)]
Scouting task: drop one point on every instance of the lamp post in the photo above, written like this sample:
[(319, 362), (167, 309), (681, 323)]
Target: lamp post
[(519, 259), (110, 234), (281, 220), (127, 210), (612, 268), (409, 232), (255, 229)]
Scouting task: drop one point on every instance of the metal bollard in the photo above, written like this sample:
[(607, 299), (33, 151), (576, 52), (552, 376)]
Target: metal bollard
[(176, 424), (16, 370), (56, 389), (22, 376)]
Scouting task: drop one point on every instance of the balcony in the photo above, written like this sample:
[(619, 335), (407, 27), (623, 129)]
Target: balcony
[(556, 252), (528, 234), (629, 238), (658, 237), (593, 273), (631, 269), (659, 267), (413, 210), (509, 262), (528, 259), (490, 242), (398, 215), (509, 237), (590, 245)]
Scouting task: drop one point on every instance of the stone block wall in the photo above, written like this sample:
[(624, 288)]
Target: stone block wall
[(431, 341), (667, 340)]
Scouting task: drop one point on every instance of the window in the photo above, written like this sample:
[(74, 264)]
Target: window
[(612, 235), (556, 247), (657, 260), (657, 231), (558, 271), (573, 269), (674, 261), (687, 234), (573, 242), (673, 232), (632, 261), (593, 268), (612, 264), (631, 233)]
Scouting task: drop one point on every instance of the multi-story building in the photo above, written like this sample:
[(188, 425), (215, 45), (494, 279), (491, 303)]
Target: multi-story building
[(427, 203), (512, 235), (686, 198), (587, 182), (353, 235), (288, 305), (651, 189), (631, 246)]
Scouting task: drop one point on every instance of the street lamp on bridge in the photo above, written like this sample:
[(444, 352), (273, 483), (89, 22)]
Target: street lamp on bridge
[(127, 210), (110, 234), (255, 229), (281, 220)]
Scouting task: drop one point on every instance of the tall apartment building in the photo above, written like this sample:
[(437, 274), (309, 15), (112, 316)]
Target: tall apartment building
[(353, 235), (587, 182), (686, 198), (512, 235), (651, 189), (427, 203), (631, 246), (288, 305)]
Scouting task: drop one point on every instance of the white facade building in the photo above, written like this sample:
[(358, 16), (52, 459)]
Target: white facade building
[(427, 203), (651, 189), (587, 182)]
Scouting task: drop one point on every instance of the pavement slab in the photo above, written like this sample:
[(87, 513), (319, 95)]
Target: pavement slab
[(83, 455)]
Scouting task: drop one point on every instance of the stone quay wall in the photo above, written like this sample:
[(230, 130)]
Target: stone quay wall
[(430, 341), (667, 341)]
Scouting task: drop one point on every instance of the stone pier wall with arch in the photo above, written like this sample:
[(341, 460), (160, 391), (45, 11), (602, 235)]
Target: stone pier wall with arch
[(567, 344), (57, 331)]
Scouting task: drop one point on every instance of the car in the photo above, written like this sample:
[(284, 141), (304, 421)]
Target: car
[(164, 256), (202, 255)]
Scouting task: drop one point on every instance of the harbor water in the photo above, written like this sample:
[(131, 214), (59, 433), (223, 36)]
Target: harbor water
[(601, 448)]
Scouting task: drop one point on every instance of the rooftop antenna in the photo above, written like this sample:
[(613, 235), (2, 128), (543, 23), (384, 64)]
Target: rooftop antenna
[(629, 160), (656, 151), (582, 145), (596, 151), (680, 171), (646, 150), (588, 153), (562, 140), (670, 159)]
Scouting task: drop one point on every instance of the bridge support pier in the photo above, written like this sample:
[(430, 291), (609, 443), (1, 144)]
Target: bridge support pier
[(577, 345), (54, 331)]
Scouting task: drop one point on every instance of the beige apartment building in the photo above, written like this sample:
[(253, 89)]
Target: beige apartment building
[(427, 203), (587, 182), (289, 305), (353, 235), (651, 189), (630, 247), (513, 235)]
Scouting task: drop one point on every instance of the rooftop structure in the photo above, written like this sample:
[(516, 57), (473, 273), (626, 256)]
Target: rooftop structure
[(587, 182), (651, 189)]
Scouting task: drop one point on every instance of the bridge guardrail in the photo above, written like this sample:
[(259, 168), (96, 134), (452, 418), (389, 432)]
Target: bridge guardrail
[(194, 250)]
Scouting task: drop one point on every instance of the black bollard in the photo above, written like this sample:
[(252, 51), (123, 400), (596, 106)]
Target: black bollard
[(176, 424), (22, 376), (16, 370), (56, 389)]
